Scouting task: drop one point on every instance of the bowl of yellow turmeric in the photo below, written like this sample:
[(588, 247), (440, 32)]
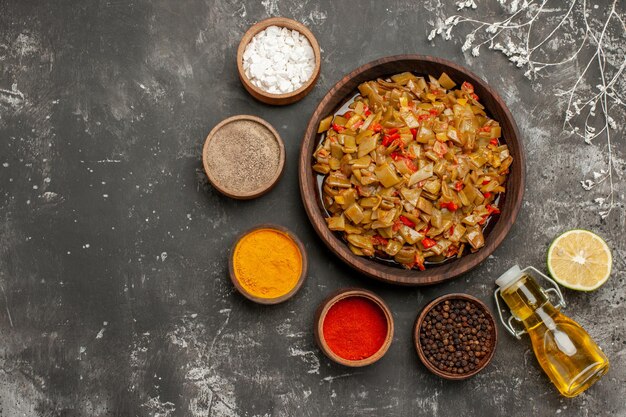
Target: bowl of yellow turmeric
[(268, 264)]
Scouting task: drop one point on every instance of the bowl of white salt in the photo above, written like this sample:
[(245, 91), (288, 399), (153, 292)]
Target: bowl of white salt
[(278, 61)]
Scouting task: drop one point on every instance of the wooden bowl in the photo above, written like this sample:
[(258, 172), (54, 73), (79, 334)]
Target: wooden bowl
[(509, 204), (320, 315), (261, 300), (418, 326), (264, 96), (223, 188)]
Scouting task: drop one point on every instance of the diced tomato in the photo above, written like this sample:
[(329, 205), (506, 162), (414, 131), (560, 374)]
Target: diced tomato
[(367, 111), (379, 240), (389, 139), (391, 131), (357, 124), (449, 205), (338, 128), (452, 250), (487, 194), (414, 133), (406, 221), (485, 129), (433, 112), (459, 185), (419, 261), (467, 87), (396, 225), (396, 156), (485, 182), (428, 243), (451, 229), (483, 220), (398, 142), (423, 117), (492, 209), (375, 127), (493, 142), (348, 114)]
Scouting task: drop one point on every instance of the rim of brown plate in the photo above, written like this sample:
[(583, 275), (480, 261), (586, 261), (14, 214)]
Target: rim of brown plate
[(301, 278), (512, 199), (286, 98), (265, 188), (331, 300), (418, 345)]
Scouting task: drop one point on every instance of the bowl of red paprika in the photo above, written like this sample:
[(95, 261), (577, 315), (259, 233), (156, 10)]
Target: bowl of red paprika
[(354, 327)]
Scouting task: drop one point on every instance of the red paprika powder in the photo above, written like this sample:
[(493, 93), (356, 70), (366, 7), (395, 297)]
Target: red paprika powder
[(355, 328)]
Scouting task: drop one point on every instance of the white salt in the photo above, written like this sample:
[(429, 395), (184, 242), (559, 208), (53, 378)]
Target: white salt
[(279, 60)]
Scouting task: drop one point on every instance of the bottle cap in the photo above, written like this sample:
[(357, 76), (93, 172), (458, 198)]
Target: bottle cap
[(509, 277)]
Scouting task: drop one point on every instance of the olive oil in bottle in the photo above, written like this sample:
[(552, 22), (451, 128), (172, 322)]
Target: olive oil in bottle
[(567, 354)]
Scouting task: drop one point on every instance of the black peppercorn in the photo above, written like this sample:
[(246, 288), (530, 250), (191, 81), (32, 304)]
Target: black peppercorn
[(456, 336)]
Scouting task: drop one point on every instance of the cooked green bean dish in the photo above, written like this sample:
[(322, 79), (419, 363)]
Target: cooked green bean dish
[(412, 171)]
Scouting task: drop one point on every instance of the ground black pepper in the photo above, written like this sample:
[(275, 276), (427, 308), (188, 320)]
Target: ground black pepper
[(456, 336), (243, 156)]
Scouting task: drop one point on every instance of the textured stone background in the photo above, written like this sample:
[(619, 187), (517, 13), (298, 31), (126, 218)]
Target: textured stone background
[(114, 296)]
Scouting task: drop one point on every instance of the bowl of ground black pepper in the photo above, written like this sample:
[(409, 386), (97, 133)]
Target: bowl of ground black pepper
[(455, 336), (243, 157)]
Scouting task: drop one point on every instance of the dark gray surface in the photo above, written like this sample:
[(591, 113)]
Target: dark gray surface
[(115, 298)]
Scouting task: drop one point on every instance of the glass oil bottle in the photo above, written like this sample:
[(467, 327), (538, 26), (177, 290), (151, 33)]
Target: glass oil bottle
[(567, 354)]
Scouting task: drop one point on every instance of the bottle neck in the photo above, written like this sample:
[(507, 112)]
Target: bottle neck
[(528, 303), (544, 314)]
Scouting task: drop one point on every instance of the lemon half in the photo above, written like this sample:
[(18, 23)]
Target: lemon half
[(580, 260)]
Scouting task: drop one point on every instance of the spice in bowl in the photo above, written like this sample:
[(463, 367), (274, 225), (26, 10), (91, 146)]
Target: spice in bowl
[(354, 327), (279, 60), (268, 264), (243, 156), (456, 337)]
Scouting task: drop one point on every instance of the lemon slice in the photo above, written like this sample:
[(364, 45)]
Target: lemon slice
[(580, 260)]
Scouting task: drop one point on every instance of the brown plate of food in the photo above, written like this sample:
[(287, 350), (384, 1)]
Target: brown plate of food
[(412, 170)]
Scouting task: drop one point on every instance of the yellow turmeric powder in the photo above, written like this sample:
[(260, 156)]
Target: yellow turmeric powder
[(267, 263)]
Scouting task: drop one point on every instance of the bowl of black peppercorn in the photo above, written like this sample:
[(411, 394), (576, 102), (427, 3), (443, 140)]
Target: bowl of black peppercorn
[(455, 336)]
